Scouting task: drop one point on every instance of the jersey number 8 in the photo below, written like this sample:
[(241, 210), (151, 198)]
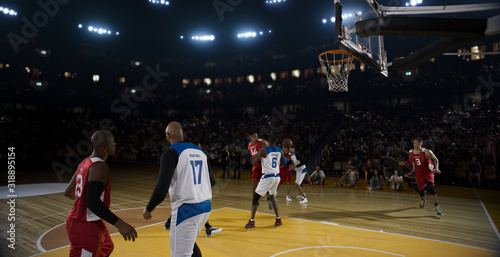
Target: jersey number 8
[(79, 185)]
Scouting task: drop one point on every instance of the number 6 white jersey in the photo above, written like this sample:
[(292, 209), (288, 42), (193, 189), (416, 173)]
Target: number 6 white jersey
[(191, 180), (271, 163)]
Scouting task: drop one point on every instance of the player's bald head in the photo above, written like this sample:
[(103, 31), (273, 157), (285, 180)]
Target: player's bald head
[(174, 131), (101, 138)]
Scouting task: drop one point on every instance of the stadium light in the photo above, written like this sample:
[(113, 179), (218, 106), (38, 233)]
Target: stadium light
[(133, 91), (207, 81), (95, 78), (8, 11), (160, 2), (251, 79), (275, 1), (80, 26), (247, 34), (414, 2), (344, 16), (203, 38), (273, 75), (100, 31), (182, 37)]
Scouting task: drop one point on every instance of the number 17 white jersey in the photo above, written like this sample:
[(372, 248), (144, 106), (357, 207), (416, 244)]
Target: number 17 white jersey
[(191, 180), (271, 163)]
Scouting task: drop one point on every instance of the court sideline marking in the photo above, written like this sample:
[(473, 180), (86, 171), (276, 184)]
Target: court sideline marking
[(331, 246), (378, 231), (488, 215)]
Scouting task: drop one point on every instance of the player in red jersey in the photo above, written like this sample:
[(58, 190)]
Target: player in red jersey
[(422, 159), (254, 146), (285, 173), (90, 187)]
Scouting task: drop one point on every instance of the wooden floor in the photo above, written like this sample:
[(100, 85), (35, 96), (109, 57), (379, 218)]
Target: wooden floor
[(336, 221)]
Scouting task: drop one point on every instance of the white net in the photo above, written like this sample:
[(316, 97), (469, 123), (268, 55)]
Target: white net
[(336, 65)]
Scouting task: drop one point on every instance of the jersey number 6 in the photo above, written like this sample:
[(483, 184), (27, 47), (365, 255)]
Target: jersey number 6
[(275, 162)]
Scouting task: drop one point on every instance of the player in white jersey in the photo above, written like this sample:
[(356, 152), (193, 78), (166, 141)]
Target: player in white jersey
[(300, 168), (270, 159), (186, 175)]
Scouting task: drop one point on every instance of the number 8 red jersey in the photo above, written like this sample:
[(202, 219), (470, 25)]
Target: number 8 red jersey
[(80, 211)]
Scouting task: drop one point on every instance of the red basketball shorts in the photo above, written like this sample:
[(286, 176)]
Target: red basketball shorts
[(88, 239)]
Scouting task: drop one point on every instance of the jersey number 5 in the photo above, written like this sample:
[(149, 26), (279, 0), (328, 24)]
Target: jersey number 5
[(79, 185), (195, 164)]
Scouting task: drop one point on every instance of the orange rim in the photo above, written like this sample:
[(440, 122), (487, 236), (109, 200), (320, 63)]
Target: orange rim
[(348, 59)]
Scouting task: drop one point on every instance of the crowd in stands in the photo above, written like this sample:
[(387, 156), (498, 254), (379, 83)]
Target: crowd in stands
[(142, 139), (377, 139), (457, 131), (18, 81)]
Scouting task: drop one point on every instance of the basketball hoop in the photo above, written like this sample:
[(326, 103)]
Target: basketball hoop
[(336, 65)]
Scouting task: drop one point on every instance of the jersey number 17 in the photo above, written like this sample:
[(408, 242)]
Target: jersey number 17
[(194, 165)]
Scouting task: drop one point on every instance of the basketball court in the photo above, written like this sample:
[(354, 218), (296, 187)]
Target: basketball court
[(335, 222)]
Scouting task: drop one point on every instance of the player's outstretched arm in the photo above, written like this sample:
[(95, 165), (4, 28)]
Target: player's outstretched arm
[(431, 155), (261, 154), (408, 163), (70, 189), (98, 177)]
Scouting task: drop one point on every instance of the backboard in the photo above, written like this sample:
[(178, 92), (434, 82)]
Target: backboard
[(364, 37)]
